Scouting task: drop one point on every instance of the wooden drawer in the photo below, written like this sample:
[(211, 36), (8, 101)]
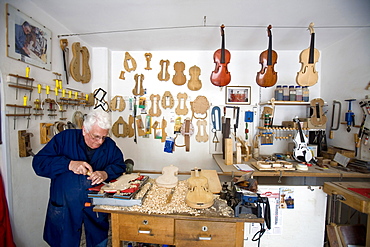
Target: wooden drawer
[(147, 229), (204, 233)]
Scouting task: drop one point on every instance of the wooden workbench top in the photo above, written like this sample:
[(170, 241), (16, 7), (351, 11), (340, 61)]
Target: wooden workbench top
[(313, 171), (352, 198), (104, 209)]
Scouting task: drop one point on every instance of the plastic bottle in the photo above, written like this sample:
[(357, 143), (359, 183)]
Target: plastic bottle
[(298, 90), (292, 93), (305, 94), (285, 93)]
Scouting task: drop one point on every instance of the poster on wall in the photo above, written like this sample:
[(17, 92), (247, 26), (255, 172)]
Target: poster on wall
[(238, 95), (27, 40)]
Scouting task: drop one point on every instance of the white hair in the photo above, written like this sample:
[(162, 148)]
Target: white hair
[(99, 117)]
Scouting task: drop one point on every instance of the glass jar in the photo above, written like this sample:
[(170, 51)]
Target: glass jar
[(305, 94), (298, 90), (292, 93), (285, 93), (279, 93)]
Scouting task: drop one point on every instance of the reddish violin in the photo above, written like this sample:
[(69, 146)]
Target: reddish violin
[(267, 76), (221, 76)]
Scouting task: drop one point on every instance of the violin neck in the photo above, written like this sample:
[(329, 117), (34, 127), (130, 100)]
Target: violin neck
[(312, 49), (300, 132), (269, 53), (223, 49)]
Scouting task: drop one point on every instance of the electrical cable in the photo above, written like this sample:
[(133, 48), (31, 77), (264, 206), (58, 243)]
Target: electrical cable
[(203, 26)]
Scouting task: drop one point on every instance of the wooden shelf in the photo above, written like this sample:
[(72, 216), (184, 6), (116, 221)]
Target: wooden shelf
[(313, 171), (285, 103)]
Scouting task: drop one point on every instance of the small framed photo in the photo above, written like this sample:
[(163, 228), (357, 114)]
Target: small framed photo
[(27, 40), (238, 95)]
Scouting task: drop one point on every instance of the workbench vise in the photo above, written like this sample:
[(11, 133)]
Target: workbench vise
[(253, 203)]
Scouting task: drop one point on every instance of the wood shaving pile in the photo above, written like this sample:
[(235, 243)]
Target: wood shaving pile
[(155, 202)]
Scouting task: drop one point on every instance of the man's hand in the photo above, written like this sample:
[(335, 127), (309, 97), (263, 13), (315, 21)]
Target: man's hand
[(80, 167), (97, 177)]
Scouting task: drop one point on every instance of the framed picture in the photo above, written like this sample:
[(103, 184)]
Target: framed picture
[(27, 40), (238, 95)]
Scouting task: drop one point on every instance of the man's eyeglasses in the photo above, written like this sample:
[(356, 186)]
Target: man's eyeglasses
[(97, 138)]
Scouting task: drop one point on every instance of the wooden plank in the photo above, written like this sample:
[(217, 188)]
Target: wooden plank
[(229, 158), (214, 183), (332, 235)]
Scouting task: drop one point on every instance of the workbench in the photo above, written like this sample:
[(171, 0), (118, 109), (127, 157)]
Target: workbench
[(349, 196), (179, 230), (159, 221)]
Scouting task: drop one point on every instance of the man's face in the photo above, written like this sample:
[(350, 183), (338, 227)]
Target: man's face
[(27, 29), (95, 137)]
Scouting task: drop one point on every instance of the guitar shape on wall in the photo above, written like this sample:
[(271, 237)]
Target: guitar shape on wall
[(301, 153), (308, 75), (267, 77)]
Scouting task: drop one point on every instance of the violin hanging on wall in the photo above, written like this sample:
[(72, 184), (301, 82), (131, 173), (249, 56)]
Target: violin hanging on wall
[(221, 76), (308, 75), (267, 77)]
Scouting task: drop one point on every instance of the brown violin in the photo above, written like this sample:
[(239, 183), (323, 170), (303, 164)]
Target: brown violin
[(221, 76), (308, 75), (267, 76)]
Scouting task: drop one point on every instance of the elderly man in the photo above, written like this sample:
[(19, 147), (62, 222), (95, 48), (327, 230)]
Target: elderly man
[(66, 160), (21, 32)]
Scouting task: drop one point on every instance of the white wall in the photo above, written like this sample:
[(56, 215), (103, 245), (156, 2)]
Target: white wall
[(27, 193), (148, 153), (346, 76)]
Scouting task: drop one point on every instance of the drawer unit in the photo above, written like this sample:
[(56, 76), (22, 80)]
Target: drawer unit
[(204, 233), (147, 229)]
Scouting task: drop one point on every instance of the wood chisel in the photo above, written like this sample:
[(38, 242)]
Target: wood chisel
[(169, 198)]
